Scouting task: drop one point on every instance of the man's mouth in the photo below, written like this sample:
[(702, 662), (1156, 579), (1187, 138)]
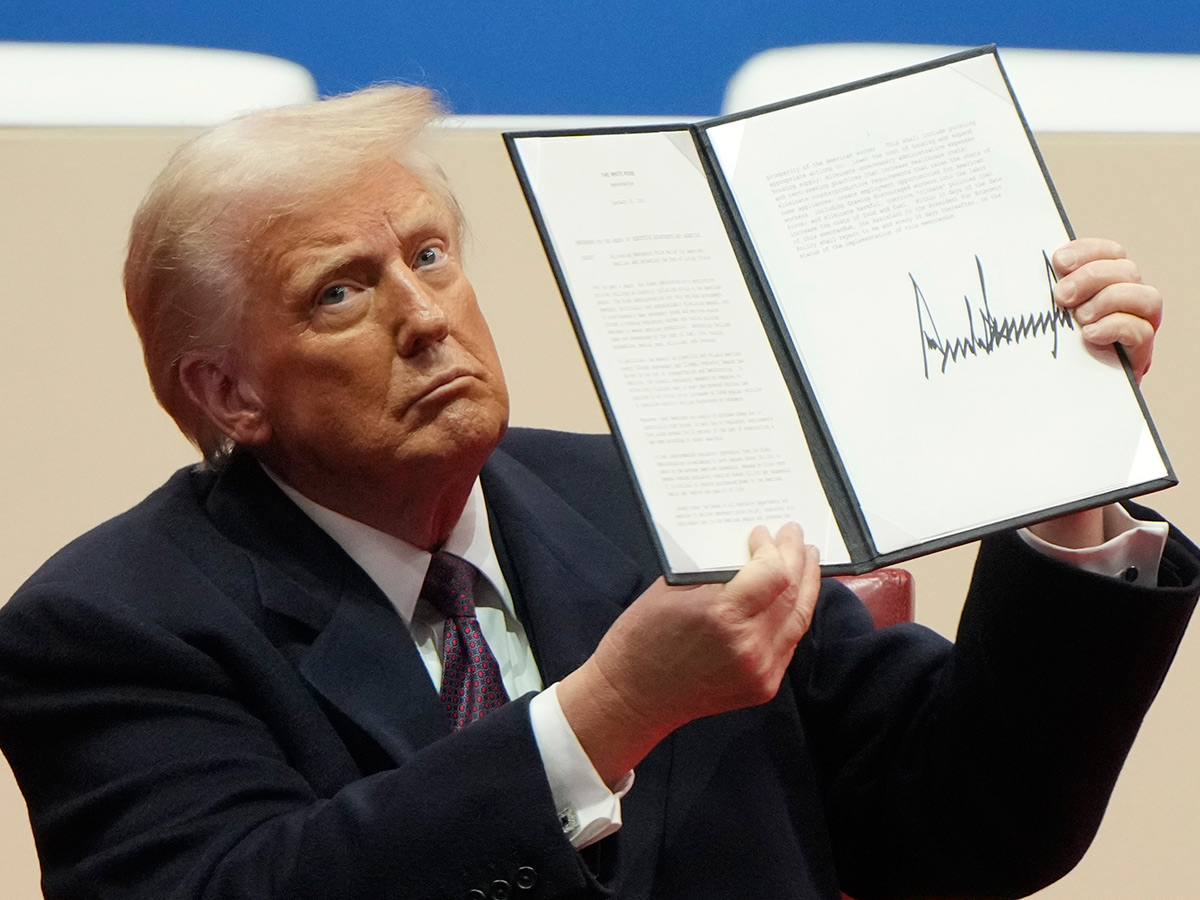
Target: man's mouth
[(444, 383)]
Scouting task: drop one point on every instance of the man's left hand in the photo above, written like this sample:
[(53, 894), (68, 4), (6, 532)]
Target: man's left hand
[(1104, 291)]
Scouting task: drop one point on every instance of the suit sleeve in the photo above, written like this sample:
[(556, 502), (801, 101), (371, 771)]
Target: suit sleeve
[(983, 767), (154, 764)]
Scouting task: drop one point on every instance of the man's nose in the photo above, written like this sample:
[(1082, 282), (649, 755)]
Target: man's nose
[(421, 321)]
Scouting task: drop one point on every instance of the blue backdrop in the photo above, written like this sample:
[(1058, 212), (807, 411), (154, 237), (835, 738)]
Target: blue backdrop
[(558, 56)]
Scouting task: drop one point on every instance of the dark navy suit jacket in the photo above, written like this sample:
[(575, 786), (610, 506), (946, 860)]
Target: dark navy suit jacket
[(205, 697)]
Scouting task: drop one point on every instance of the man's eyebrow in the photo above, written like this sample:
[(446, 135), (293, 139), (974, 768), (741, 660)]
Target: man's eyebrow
[(320, 265), (428, 217)]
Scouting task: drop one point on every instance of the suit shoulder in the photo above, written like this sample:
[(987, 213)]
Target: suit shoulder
[(127, 548)]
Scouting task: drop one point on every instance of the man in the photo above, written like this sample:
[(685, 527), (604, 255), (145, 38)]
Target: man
[(233, 689)]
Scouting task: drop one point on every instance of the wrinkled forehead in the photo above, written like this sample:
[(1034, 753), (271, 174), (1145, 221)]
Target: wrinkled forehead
[(286, 231)]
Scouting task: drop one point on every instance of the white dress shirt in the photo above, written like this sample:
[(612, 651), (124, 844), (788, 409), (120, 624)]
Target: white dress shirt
[(1132, 549)]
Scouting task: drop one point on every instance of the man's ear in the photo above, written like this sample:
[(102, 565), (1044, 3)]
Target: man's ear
[(231, 403)]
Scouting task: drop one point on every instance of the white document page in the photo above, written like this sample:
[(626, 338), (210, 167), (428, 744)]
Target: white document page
[(902, 228), (701, 405)]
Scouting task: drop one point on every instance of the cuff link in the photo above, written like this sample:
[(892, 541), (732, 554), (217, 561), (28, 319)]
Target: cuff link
[(569, 820)]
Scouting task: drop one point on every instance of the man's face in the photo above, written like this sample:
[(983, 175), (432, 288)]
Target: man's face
[(364, 347)]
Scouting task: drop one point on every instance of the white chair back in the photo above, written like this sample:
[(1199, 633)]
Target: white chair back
[(1059, 90), (135, 84)]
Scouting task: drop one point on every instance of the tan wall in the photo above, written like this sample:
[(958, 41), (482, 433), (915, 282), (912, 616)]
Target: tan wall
[(83, 439)]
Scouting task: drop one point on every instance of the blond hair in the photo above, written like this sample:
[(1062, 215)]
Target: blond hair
[(186, 269)]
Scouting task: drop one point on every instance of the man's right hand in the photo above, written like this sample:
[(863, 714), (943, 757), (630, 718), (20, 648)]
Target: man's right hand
[(681, 653)]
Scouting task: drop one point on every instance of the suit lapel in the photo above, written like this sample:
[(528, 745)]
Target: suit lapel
[(365, 663), (362, 659), (569, 582)]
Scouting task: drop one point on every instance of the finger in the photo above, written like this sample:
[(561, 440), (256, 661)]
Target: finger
[(1088, 280), (758, 583), (786, 547), (790, 542), (770, 582), (1138, 300), (790, 557), (760, 541), (1081, 251), (790, 547), (1134, 334), (810, 588), (793, 616)]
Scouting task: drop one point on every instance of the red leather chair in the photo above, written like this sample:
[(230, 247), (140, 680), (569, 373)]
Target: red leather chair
[(889, 597), (888, 594)]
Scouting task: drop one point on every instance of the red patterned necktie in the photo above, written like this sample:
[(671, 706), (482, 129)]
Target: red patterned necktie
[(471, 684)]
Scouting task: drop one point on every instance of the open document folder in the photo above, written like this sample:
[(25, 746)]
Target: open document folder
[(837, 310)]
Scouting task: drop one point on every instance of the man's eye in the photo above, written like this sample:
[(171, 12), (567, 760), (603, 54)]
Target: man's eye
[(333, 295), (429, 256)]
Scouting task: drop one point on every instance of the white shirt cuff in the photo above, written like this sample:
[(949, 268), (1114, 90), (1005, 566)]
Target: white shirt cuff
[(1132, 549), (587, 809)]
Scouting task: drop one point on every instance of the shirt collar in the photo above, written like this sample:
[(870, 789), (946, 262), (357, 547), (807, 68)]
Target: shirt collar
[(398, 567)]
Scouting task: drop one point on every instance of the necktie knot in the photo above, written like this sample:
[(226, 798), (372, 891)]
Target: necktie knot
[(450, 585)]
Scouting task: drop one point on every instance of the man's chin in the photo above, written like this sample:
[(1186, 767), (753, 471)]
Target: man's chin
[(463, 435)]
